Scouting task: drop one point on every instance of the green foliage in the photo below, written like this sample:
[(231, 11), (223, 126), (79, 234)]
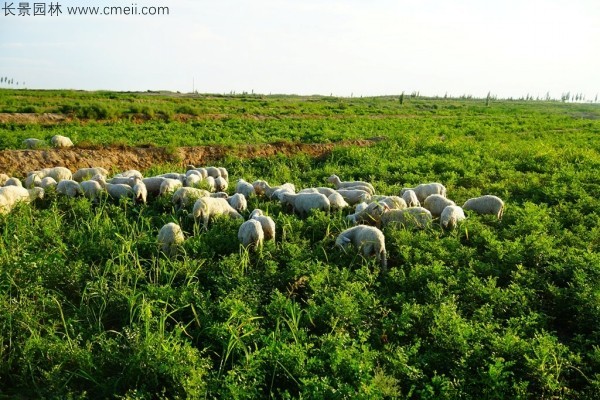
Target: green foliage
[(89, 307)]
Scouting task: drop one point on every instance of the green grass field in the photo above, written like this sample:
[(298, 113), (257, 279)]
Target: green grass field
[(493, 310)]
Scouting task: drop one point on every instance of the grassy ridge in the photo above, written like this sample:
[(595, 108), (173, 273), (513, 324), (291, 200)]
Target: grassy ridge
[(511, 309)]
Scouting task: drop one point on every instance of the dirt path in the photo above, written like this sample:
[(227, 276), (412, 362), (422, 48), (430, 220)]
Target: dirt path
[(19, 162)]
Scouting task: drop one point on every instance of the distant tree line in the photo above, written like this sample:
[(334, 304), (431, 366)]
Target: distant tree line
[(6, 81)]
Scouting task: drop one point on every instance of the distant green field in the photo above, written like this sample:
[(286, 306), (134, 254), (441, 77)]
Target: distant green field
[(493, 310)]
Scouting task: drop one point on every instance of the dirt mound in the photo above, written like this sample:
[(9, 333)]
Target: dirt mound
[(19, 162)]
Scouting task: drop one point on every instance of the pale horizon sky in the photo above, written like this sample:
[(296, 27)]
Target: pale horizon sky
[(349, 47)]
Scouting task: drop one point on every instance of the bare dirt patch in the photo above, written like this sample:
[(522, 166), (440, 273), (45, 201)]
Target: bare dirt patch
[(19, 162), (27, 118)]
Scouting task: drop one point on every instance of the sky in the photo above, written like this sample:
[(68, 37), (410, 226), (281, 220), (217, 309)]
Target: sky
[(510, 48)]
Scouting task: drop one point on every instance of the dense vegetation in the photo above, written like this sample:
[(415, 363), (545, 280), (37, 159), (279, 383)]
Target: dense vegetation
[(510, 309)]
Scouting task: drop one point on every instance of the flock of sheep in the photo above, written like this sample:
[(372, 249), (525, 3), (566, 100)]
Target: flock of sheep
[(203, 190)]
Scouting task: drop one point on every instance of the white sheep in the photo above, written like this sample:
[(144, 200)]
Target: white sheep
[(86, 173), (61, 141), (337, 202), (170, 238), (354, 196), (238, 202), (207, 208), (365, 188), (186, 196), (436, 203), (487, 204), (48, 182), (251, 233), (370, 215), (342, 185), (130, 173), (174, 175), (13, 182), (125, 180), (91, 189), (11, 195), (323, 190), (410, 197), (244, 188), (221, 184), (272, 192), (33, 143), (209, 184), (193, 180), (169, 186), (392, 202), (114, 190), (153, 184), (3, 179), (306, 202), (140, 192), (267, 223), (32, 180), (426, 189), (369, 238), (56, 173), (219, 195), (69, 188), (451, 216), (213, 171), (417, 217), (203, 172), (224, 173)]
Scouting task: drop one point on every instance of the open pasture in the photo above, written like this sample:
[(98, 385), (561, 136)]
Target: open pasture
[(89, 308)]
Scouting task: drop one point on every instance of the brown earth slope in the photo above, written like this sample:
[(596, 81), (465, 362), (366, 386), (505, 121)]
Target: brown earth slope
[(19, 162)]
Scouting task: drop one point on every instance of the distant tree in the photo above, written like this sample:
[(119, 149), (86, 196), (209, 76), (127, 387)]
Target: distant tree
[(401, 99), (487, 99)]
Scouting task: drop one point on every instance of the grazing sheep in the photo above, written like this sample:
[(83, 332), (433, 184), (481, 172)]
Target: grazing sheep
[(13, 182), (436, 203), (323, 190), (61, 141), (306, 202), (69, 188), (426, 189), (244, 188), (275, 192), (174, 175), (86, 173), (91, 189), (369, 238), (129, 180), (224, 173), (33, 143), (392, 202), (207, 208), (130, 173), (342, 185), (357, 210), (193, 180), (169, 186), (56, 173), (170, 238), (186, 196), (48, 182), (203, 172), (153, 184), (11, 195), (417, 217), (251, 233), (267, 223), (337, 202), (210, 184), (410, 197), (370, 215), (221, 184), (3, 179), (114, 190), (213, 171), (451, 216), (32, 180), (238, 202), (367, 189), (487, 204), (140, 192), (219, 195), (354, 196)]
